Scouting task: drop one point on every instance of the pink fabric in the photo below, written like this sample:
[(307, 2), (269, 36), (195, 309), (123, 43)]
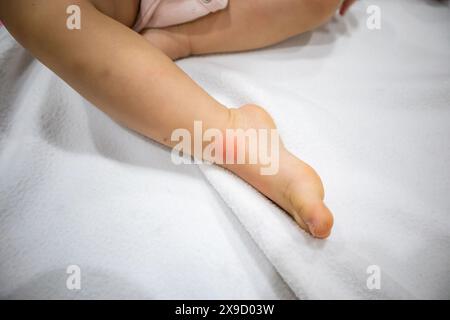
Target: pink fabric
[(164, 13)]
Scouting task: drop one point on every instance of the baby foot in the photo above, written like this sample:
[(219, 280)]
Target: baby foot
[(296, 187)]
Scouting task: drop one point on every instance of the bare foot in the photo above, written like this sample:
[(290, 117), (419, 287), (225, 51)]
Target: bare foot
[(296, 187)]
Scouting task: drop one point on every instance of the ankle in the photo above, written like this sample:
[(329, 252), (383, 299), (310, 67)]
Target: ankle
[(253, 116), (253, 141)]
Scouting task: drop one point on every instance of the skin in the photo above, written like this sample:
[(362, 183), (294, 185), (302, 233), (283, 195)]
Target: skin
[(133, 79), (255, 24)]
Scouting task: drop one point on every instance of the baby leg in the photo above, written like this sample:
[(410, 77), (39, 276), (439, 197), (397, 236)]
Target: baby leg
[(244, 25), (142, 88)]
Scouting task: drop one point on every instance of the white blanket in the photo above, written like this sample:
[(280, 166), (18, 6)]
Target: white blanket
[(78, 189), (369, 109)]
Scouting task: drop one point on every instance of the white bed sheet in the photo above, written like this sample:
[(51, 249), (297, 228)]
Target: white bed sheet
[(368, 109)]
